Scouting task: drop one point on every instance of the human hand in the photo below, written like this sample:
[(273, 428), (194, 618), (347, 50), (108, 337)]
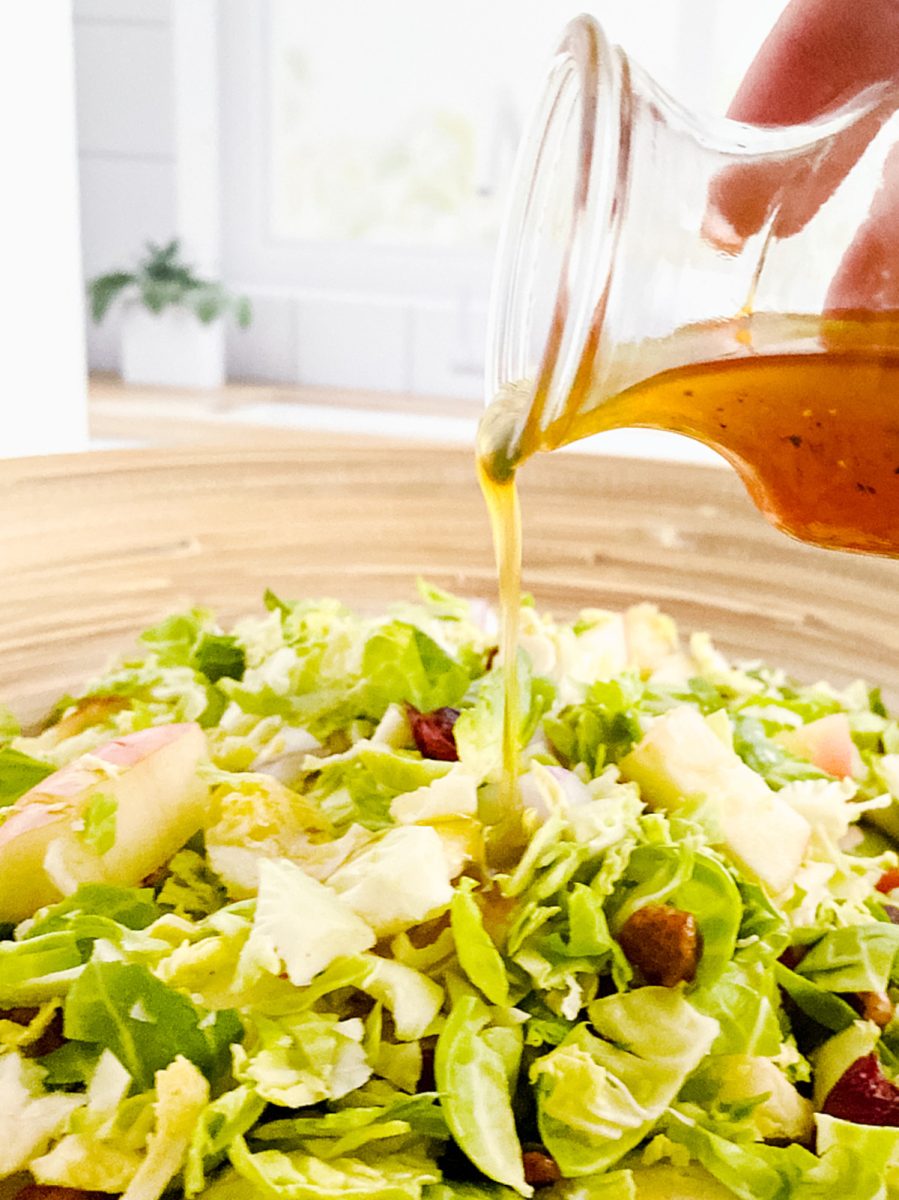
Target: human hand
[(820, 55)]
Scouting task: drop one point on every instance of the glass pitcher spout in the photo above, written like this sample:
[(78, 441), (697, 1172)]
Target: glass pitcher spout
[(642, 239)]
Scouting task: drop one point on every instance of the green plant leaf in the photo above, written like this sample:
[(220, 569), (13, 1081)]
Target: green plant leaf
[(158, 294), (243, 311), (160, 262), (104, 289), (164, 280), (207, 301)]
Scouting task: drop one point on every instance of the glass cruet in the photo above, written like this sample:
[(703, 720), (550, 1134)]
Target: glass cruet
[(642, 239)]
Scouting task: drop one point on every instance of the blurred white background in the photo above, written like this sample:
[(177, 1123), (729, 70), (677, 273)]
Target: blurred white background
[(343, 164)]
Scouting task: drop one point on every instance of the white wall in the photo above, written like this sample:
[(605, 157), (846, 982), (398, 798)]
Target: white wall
[(43, 404), (126, 140)]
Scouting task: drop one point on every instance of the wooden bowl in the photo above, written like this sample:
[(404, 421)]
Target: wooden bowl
[(95, 547)]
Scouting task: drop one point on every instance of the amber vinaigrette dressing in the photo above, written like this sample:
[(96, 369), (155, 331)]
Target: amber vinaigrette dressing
[(813, 435)]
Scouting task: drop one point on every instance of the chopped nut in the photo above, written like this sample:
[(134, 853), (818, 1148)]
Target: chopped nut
[(876, 1007), (90, 710), (540, 1168), (663, 943)]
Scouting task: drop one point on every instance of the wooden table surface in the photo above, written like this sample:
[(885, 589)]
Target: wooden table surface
[(95, 547)]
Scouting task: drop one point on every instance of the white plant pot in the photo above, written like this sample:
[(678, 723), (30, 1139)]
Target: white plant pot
[(172, 349)]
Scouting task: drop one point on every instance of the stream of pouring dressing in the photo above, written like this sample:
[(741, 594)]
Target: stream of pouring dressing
[(499, 431)]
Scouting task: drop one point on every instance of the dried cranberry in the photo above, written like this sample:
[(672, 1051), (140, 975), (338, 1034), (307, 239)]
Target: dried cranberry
[(51, 1039), (888, 880), (53, 1191), (793, 956), (873, 1006), (433, 732), (863, 1094)]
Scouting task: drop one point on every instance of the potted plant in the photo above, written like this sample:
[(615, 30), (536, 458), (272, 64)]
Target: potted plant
[(172, 331)]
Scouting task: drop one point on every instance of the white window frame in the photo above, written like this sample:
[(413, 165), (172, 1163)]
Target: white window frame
[(253, 256)]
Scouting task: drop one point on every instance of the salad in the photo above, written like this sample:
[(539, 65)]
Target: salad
[(262, 939)]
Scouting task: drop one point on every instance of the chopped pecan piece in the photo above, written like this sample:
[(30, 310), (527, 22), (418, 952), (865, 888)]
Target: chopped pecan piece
[(89, 710), (663, 943), (433, 732), (540, 1168), (876, 1007)]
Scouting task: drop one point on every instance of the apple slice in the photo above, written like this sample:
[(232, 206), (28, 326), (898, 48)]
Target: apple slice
[(682, 761), (149, 784), (827, 744)]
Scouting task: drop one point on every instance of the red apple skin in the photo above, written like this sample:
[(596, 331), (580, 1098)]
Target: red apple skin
[(160, 804)]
